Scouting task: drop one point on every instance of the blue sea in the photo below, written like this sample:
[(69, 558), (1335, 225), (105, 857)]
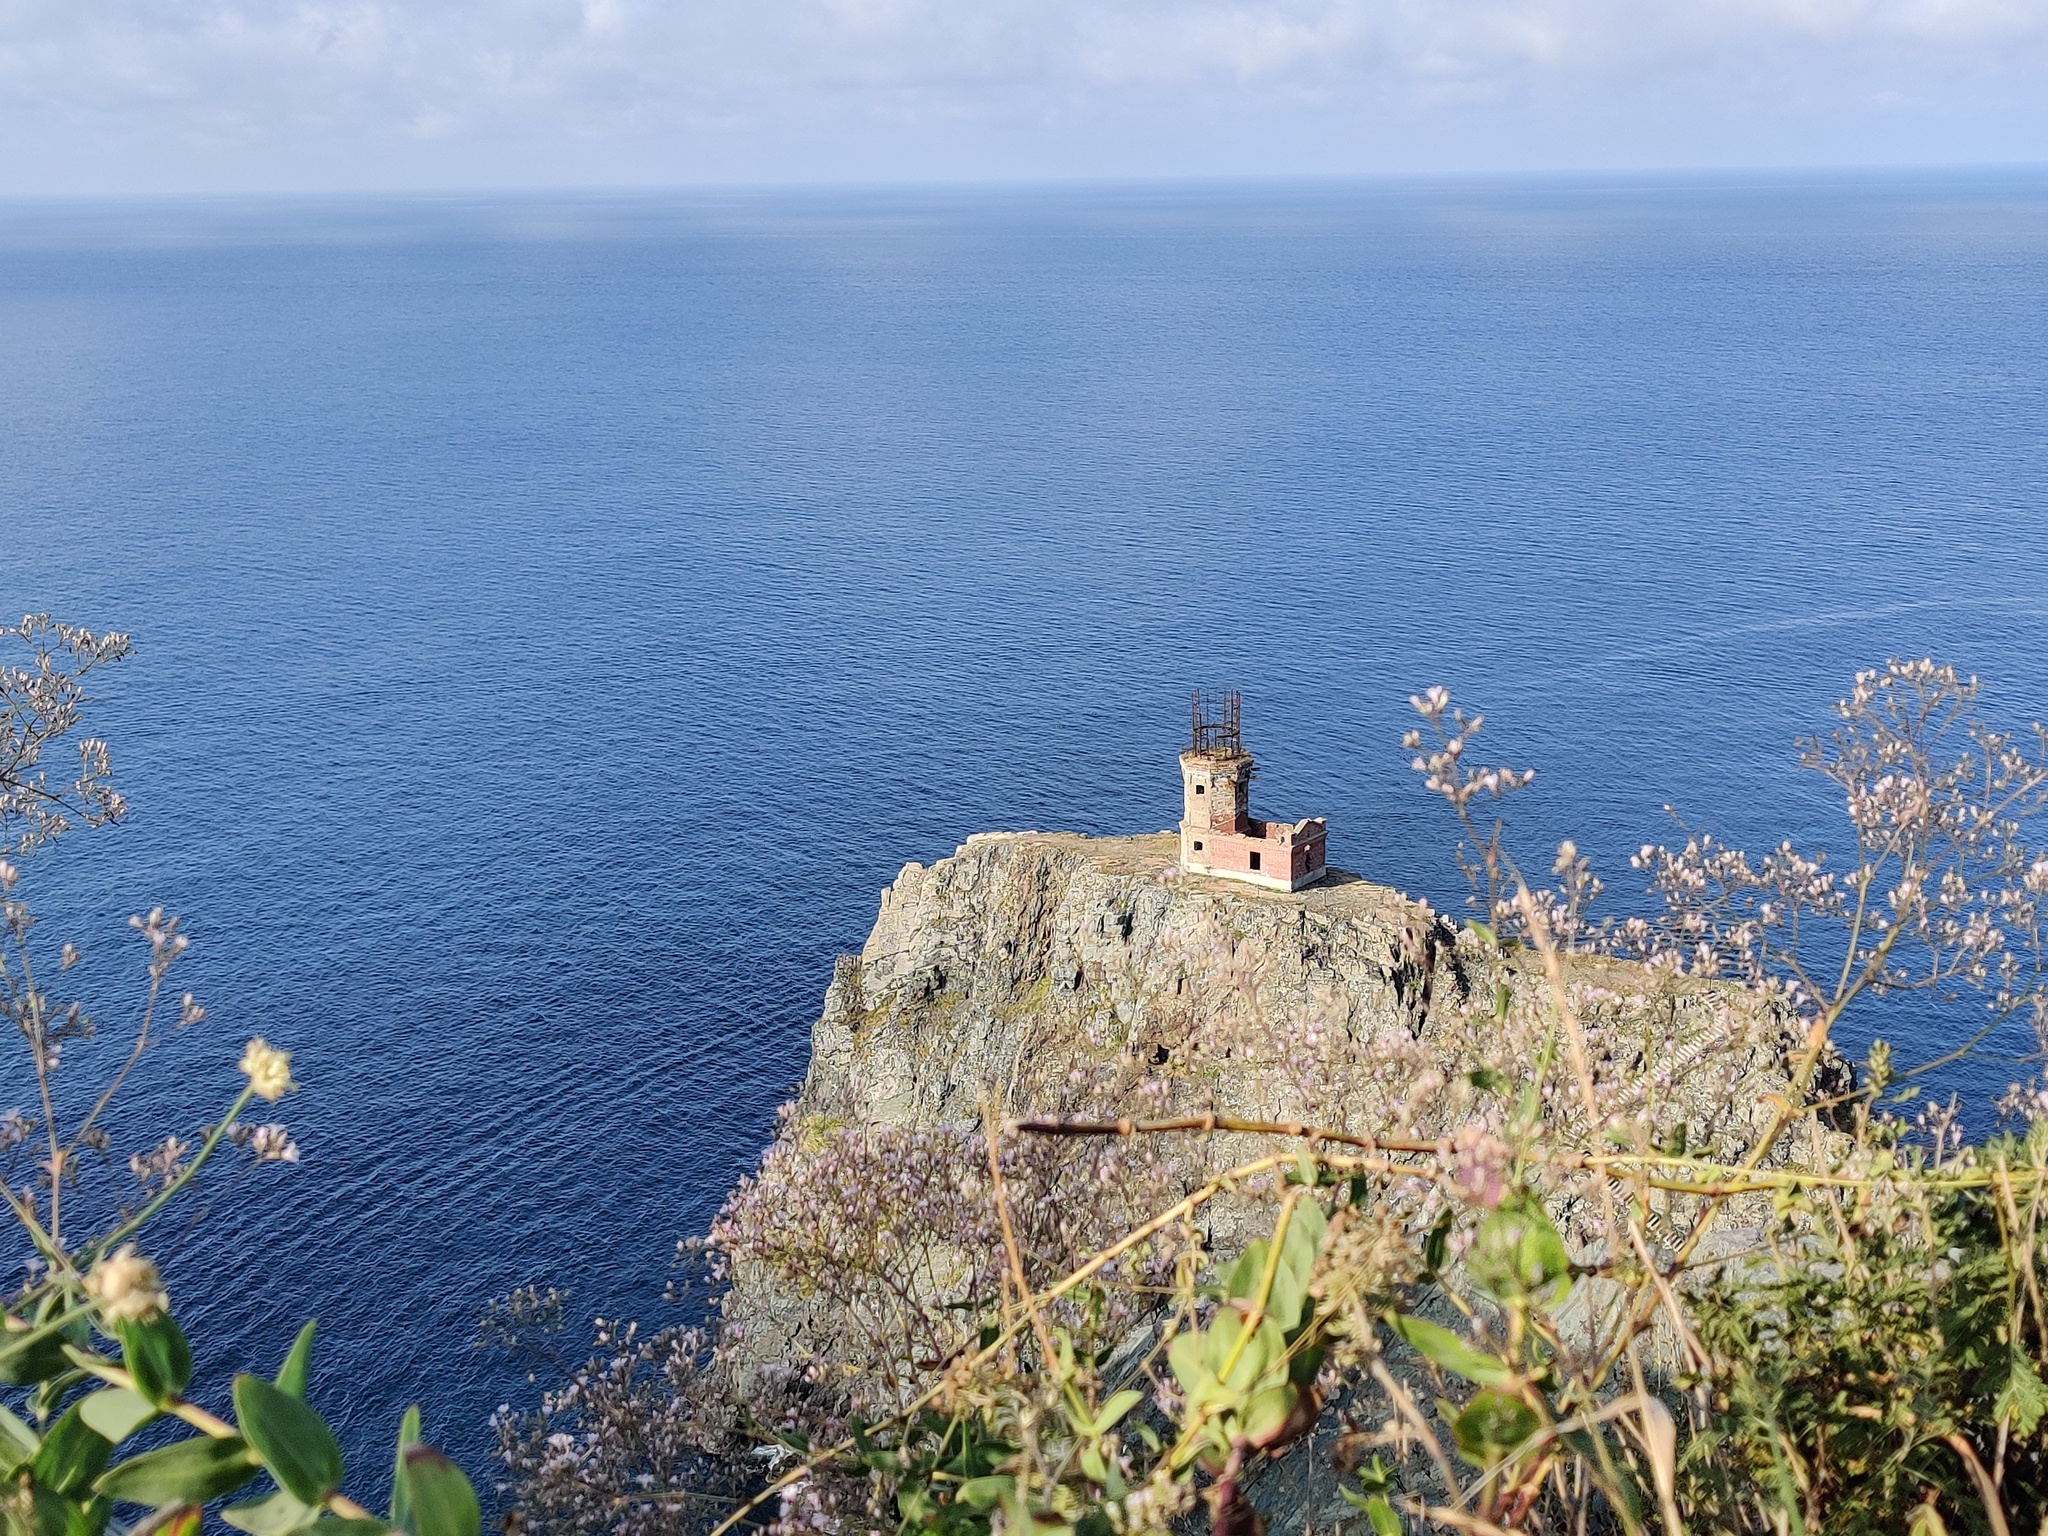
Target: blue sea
[(557, 619)]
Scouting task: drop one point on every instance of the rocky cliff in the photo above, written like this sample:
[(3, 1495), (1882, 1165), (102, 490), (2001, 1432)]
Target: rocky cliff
[(1056, 970), (1059, 974), (1028, 955)]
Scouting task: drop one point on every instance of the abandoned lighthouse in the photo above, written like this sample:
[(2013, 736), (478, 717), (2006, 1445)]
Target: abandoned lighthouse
[(1218, 833)]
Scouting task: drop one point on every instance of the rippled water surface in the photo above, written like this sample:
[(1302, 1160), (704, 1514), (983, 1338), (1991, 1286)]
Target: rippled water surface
[(557, 619)]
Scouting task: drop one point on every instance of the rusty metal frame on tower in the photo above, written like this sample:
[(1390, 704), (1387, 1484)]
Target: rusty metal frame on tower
[(1217, 724)]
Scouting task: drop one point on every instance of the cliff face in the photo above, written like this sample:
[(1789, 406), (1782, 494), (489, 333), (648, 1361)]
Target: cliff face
[(1058, 974), (1062, 972), (1027, 955)]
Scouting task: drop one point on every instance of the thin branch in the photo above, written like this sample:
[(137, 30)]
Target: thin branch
[(1987, 1491), (1101, 1259)]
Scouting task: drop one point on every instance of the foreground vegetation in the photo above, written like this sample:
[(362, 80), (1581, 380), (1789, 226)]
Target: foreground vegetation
[(1551, 1268)]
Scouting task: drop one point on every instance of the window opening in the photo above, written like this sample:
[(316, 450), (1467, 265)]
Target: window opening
[(1255, 860)]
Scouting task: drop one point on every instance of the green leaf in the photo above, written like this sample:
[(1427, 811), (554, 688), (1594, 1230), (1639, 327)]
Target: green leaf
[(194, 1471), (1246, 1273), (1379, 1513), (1113, 1485), (1376, 1476), (1493, 1425), (1266, 1415), (1436, 1247), (1283, 1301), (409, 1436), (1517, 1253), (985, 1493), (291, 1376), (294, 1441), (1220, 1341), (1485, 1079), (914, 1503), (1305, 1365), (1299, 1246), (51, 1514), (1113, 1411), (157, 1356), (23, 1363), (1093, 1467), (72, 1454), (2023, 1398), (1305, 1231), (18, 1443), (1444, 1348), (1529, 1107), (116, 1413), (438, 1496), (275, 1516), (334, 1525)]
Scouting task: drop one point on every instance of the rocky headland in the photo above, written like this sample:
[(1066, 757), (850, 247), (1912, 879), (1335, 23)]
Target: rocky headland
[(1056, 974), (1007, 964)]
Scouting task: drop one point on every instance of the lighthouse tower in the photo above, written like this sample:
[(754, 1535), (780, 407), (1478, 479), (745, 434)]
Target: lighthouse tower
[(1218, 833)]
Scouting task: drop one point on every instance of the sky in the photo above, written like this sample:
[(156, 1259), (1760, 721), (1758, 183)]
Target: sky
[(218, 96)]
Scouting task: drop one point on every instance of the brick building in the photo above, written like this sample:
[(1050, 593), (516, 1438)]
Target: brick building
[(1218, 833)]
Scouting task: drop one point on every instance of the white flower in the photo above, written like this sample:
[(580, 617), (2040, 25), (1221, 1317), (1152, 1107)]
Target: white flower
[(269, 1070), (273, 1144), (127, 1287)]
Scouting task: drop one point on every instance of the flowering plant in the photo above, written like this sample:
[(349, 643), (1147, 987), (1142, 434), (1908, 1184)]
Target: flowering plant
[(89, 1342), (1610, 1238)]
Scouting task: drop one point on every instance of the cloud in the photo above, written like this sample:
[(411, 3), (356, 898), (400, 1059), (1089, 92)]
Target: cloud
[(142, 82)]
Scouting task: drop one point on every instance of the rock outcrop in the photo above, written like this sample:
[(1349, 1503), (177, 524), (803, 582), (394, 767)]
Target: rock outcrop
[(1028, 954), (1030, 962), (1058, 974)]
